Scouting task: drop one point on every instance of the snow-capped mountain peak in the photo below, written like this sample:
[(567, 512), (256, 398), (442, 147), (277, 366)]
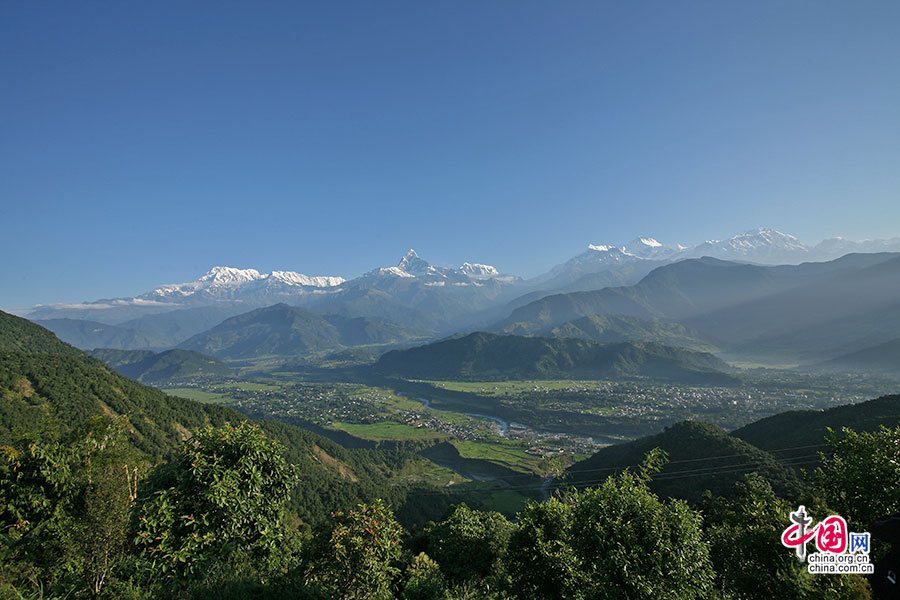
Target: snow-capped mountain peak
[(649, 241), (757, 245), (232, 283), (651, 248), (230, 276), (602, 248), (413, 264), (299, 279), (477, 270)]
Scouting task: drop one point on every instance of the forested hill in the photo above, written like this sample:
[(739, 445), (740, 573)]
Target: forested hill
[(50, 391), (802, 428), (488, 356), (701, 457), (21, 335)]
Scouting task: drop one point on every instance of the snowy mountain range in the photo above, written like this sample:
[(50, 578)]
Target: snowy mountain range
[(445, 293), (762, 246), (226, 282)]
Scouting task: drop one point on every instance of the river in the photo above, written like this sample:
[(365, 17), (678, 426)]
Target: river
[(504, 425)]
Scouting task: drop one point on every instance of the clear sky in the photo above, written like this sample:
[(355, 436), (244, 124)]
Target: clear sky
[(144, 142)]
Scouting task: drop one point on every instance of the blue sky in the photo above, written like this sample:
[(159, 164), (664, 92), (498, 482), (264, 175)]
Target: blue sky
[(142, 143)]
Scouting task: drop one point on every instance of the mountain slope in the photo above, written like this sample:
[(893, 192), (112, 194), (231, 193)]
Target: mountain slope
[(49, 389), (747, 309), (884, 358), (162, 367), (618, 328), (701, 457), (21, 335), (779, 320), (283, 330), (803, 428), (88, 335), (487, 356), (176, 326)]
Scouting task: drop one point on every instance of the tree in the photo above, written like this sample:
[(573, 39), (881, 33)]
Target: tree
[(424, 580), (66, 505), (860, 475), (541, 560), (614, 541), (469, 543), (749, 559), (226, 489), (356, 554)]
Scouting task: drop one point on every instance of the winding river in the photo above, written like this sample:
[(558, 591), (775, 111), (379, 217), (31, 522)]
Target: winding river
[(504, 425)]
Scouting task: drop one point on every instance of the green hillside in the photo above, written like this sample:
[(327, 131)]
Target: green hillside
[(21, 335), (50, 390), (488, 356), (803, 428), (701, 457), (162, 367)]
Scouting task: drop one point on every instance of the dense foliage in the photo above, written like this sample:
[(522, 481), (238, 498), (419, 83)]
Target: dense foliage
[(859, 474), (214, 521), (617, 540), (21, 335), (226, 488)]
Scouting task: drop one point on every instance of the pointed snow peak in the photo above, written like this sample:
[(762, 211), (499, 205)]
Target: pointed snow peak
[(412, 264)]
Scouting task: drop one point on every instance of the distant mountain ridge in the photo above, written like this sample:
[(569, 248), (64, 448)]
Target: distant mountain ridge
[(883, 358), (162, 367), (759, 246), (483, 356), (792, 313), (283, 330)]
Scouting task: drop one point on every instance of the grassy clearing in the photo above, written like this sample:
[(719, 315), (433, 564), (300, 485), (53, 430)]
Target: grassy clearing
[(506, 454), (387, 430), (423, 470)]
